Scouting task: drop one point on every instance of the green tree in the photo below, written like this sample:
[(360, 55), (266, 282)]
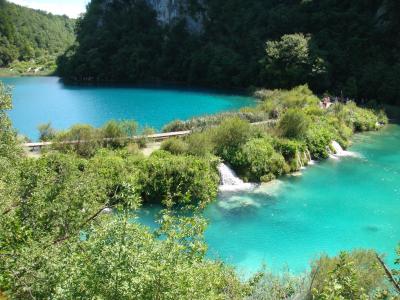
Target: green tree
[(8, 140), (289, 61)]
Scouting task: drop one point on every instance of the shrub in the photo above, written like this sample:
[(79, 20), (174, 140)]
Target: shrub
[(318, 141), (294, 124), (382, 117), (116, 134), (144, 138), (177, 125), (276, 102), (295, 152), (269, 286), (200, 144), (82, 139), (249, 114), (112, 134), (230, 136), (9, 148), (364, 119), (175, 146), (353, 275), (360, 119), (258, 161), (177, 180), (46, 132)]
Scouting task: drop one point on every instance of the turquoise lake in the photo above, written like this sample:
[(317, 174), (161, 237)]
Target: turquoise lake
[(39, 100), (335, 205)]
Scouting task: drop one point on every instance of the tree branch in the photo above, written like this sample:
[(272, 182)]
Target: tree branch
[(91, 218), (388, 273)]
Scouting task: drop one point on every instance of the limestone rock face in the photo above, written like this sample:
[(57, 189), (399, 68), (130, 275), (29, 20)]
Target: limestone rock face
[(169, 11)]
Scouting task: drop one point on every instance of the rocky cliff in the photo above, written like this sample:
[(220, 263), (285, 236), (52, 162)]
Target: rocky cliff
[(169, 11)]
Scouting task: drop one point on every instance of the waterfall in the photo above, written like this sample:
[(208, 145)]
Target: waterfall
[(339, 152), (229, 180), (337, 148)]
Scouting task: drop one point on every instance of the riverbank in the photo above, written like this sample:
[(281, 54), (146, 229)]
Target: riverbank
[(7, 72)]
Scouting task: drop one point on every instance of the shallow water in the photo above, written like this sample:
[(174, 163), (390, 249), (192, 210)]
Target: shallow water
[(353, 202), (39, 100), (339, 204)]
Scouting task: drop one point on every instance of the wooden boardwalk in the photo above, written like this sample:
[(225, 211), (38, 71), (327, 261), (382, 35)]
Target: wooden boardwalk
[(155, 137), (158, 137)]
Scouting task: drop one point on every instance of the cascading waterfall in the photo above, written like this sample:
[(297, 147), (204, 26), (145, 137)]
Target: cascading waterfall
[(229, 180), (339, 152), (299, 161)]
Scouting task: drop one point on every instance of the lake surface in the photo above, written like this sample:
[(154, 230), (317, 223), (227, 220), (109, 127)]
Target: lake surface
[(39, 100), (353, 202)]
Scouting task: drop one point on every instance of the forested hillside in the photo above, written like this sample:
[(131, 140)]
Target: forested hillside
[(349, 47), (27, 34)]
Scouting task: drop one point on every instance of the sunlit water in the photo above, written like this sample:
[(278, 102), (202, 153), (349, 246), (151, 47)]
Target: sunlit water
[(39, 100), (338, 204)]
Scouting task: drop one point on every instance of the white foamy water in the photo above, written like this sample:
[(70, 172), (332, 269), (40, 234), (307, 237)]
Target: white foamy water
[(339, 152), (229, 180)]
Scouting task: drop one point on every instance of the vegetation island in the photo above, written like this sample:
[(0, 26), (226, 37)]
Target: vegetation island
[(69, 224)]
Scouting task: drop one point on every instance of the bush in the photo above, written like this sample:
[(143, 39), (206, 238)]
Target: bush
[(276, 102), (175, 146), (360, 119), (364, 119), (46, 132), (200, 144), (112, 134), (353, 275), (144, 138), (258, 161), (249, 114), (294, 124), (318, 141), (230, 136), (81, 139), (177, 125), (269, 286), (177, 180), (295, 153)]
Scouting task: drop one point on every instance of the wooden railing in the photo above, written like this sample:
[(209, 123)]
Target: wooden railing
[(155, 137)]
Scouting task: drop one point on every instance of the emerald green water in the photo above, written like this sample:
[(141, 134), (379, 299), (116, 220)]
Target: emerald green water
[(39, 100), (335, 205)]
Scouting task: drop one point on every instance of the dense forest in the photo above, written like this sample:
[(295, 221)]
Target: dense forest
[(344, 47), (27, 34)]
